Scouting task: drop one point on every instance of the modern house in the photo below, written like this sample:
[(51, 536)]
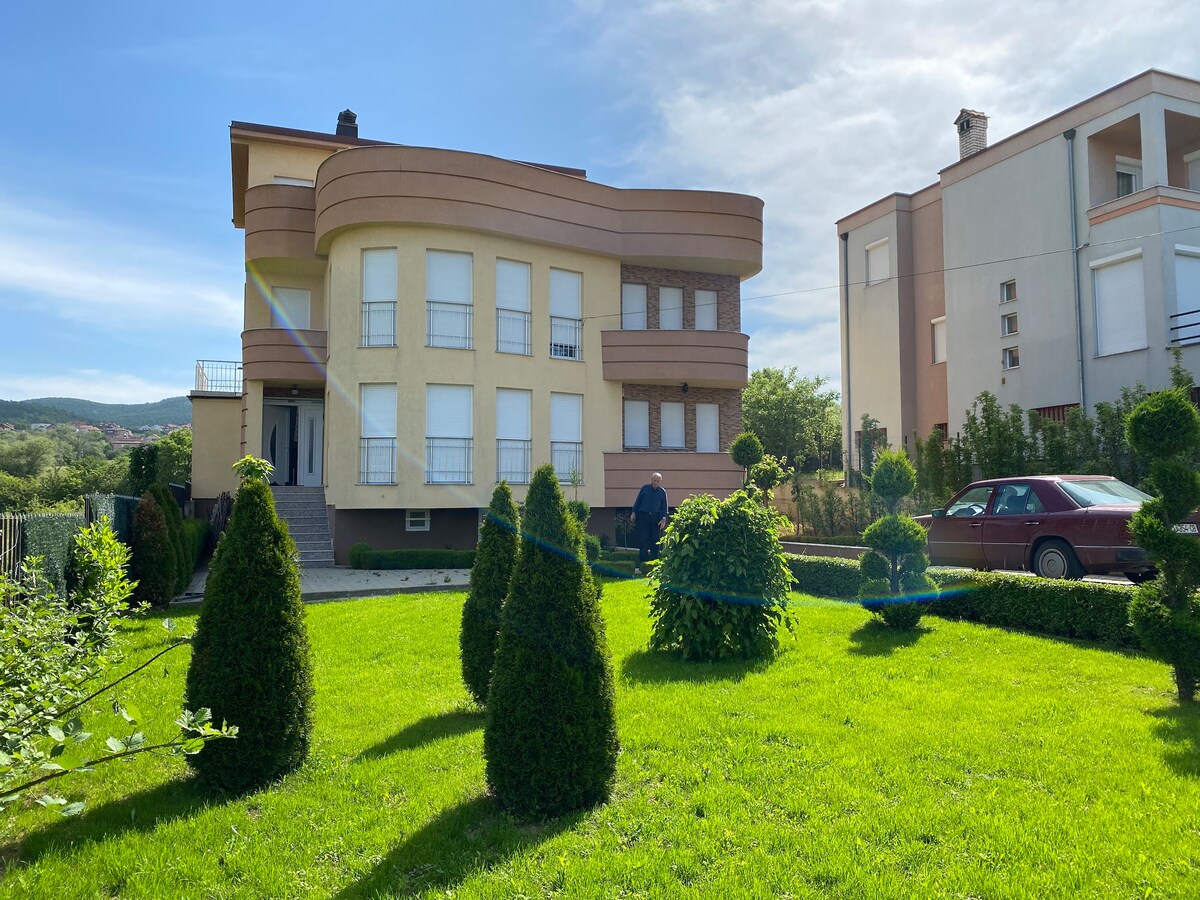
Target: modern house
[(422, 323), (1052, 268)]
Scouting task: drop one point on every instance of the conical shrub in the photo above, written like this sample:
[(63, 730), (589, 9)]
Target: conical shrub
[(154, 564), (489, 584), (174, 516), (250, 658), (550, 739)]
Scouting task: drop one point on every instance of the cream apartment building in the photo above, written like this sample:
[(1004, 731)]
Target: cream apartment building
[(1051, 268), (421, 323)]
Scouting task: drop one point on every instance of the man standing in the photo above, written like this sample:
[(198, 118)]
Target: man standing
[(649, 518)]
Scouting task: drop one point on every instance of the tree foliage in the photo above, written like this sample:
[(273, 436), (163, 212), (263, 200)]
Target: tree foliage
[(746, 451), (155, 559), (550, 739), (767, 474), (174, 464), (896, 564), (792, 416)]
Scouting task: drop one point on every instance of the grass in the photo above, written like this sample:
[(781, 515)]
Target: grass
[(956, 761)]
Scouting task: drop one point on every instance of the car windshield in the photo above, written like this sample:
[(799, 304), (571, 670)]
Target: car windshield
[(1108, 492)]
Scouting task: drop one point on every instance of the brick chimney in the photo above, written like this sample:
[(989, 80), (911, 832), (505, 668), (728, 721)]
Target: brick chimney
[(347, 123), (972, 132)]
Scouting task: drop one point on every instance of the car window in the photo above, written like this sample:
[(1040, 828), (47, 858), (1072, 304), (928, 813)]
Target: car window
[(972, 503), (1034, 503), (1016, 500), (1108, 492)]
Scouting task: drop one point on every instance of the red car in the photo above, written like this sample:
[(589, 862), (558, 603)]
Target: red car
[(1057, 526)]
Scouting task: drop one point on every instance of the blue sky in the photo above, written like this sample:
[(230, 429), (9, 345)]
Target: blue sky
[(118, 263)]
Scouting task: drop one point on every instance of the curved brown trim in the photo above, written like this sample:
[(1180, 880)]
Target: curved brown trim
[(684, 473), (277, 354), (279, 221), (700, 358)]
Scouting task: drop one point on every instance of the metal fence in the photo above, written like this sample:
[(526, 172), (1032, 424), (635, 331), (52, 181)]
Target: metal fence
[(10, 543), (218, 376)]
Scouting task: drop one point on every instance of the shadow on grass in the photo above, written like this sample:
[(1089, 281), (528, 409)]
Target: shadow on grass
[(1178, 727), (471, 837), (426, 731), (874, 638), (140, 812), (662, 666)]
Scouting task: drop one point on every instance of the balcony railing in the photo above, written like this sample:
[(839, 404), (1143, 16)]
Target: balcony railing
[(566, 338), (513, 461), (448, 461), (379, 323), (449, 324), (512, 331), (218, 376), (567, 457), (1185, 327), (377, 461)]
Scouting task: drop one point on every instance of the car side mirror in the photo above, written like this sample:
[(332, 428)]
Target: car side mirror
[(938, 513)]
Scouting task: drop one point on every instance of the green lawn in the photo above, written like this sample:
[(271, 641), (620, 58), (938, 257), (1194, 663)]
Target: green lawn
[(960, 761)]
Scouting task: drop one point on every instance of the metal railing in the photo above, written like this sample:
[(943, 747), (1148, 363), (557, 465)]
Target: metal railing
[(567, 457), (10, 544), (448, 461), (377, 461), (513, 460), (1185, 327), (512, 331), (448, 324), (566, 338), (379, 323), (219, 376)]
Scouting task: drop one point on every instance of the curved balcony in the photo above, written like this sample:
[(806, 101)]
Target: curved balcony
[(280, 221), (280, 355), (684, 473), (700, 231), (701, 358)]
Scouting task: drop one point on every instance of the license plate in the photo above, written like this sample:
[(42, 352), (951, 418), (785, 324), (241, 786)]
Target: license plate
[(1185, 528)]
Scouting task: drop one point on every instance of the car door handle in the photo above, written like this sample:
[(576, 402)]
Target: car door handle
[(976, 524), (1033, 523)]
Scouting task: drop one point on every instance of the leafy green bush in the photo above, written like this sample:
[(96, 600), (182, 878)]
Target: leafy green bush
[(591, 547), (195, 539), (357, 553), (250, 657), (48, 535), (363, 557), (825, 576), (550, 739), (174, 517), (155, 564), (721, 588), (494, 559)]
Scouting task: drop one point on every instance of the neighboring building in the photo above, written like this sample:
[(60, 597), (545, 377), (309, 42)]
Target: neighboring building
[(421, 323), (1052, 269)]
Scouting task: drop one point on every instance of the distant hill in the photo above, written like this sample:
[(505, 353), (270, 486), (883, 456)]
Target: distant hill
[(171, 411)]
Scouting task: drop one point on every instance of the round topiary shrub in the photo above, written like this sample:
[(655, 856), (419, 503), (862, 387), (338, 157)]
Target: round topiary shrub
[(155, 565), (746, 451), (490, 575), (250, 657), (551, 737), (722, 585)]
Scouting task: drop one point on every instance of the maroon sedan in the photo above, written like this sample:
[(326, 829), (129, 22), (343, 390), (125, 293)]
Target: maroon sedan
[(1057, 526)]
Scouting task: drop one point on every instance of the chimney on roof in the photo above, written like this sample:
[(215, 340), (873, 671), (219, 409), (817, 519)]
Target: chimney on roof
[(347, 125), (972, 132)]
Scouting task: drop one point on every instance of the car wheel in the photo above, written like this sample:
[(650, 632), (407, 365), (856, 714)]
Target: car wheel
[(1056, 559)]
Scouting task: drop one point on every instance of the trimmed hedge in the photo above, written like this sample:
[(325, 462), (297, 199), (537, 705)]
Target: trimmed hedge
[(195, 539), (1083, 610), (118, 508), (363, 557)]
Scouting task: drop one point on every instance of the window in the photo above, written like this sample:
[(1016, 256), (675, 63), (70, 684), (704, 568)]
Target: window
[(512, 307), (637, 424), (416, 520), (448, 446), (1008, 324), (1193, 166), (937, 337), (566, 436), (377, 444), (633, 307), (1011, 358), (1129, 176), (973, 503), (1120, 303), (1185, 322), (298, 182), (708, 428), (1008, 292), (706, 310), (670, 308), (379, 298), (566, 322), (291, 308), (879, 263), (513, 446), (672, 425), (448, 299)]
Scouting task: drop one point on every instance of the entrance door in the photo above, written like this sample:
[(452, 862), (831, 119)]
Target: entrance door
[(277, 441), (312, 435)]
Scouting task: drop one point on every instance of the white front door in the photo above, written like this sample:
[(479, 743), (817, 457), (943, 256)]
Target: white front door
[(312, 436)]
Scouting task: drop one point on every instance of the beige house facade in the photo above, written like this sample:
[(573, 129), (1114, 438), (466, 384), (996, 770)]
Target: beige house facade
[(422, 323), (1052, 268)]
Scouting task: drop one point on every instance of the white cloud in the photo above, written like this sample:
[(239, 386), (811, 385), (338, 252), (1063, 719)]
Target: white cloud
[(91, 384)]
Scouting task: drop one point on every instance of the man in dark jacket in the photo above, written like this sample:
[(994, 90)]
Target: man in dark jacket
[(649, 518)]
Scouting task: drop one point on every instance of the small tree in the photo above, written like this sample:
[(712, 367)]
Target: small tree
[(155, 562), (746, 450), (489, 584), (143, 468), (768, 473), (896, 564), (250, 658), (722, 585), (550, 739), (1165, 612), (174, 518)]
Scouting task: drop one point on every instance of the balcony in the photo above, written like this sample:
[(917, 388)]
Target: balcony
[(280, 354), (280, 219), (716, 359), (684, 473), (218, 378)]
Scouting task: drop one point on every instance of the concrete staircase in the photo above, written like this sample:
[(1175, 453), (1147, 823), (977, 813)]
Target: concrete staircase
[(303, 508)]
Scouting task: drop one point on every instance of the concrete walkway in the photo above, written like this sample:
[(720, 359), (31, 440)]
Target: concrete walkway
[(339, 583)]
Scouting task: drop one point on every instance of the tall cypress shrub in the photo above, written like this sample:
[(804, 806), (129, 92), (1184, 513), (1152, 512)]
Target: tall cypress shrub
[(174, 516), (155, 565), (489, 584), (250, 657), (550, 739)]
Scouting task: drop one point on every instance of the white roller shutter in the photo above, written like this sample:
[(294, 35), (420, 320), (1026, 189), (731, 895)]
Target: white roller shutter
[(637, 423), (379, 275), (448, 276), (708, 428), (938, 327), (633, 307), (291, 308), (512, 415), (566, 418), (879, 262), (512, 285), (670, 308), (565, 289), (706, 310), (1187, 284), (378, 410), (672, 425), (1120, 307), (448, 411)]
